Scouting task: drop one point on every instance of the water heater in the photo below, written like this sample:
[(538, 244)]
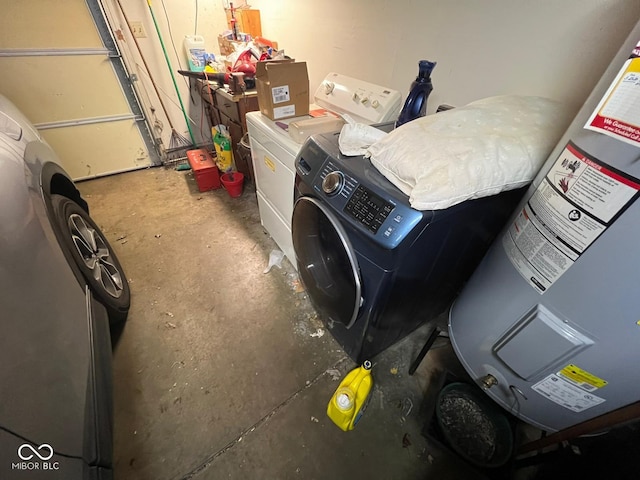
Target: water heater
[(550, 320)]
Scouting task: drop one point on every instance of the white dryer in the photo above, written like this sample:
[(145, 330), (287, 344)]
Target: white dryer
[(274, 152)]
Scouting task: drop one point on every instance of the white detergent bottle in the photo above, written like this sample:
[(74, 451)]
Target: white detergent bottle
[(195, 52)]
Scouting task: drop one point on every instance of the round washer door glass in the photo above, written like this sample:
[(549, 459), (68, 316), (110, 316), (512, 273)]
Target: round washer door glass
[(326, 261)]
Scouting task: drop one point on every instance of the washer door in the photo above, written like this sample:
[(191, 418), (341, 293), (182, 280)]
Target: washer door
[(326, 261)]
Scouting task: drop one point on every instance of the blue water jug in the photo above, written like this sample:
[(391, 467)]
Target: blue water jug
[(416, 103)]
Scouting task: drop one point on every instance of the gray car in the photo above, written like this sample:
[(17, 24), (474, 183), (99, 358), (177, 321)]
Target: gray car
[(61, 291)]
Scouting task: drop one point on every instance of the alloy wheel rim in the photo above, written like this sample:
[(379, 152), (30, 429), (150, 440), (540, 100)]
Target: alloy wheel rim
[(96, 255)]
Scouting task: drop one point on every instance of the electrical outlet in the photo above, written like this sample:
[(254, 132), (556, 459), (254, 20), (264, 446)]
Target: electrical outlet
[(138, 30)]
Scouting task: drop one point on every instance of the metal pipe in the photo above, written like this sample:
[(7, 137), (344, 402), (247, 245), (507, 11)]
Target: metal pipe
[(488, 381), (608, 420)]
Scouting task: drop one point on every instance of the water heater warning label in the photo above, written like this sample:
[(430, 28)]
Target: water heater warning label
[(576, 202), (566, 394), (581, 378)]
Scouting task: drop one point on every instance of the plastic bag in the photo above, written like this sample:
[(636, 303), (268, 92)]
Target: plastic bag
[(356, 138), (275, 260), (222, 144)]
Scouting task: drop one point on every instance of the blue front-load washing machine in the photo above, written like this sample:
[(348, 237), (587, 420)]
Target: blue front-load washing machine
[(374, 268)]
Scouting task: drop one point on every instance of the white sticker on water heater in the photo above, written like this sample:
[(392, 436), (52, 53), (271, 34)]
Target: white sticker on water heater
[(578, 199), (565, 394), (618, 113)]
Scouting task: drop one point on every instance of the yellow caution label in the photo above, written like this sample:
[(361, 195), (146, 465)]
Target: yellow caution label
[(270, 163), (582, 378)]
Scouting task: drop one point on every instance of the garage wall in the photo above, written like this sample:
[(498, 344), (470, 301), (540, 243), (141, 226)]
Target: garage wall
[(175, 19), (551, 48), (544, 47)]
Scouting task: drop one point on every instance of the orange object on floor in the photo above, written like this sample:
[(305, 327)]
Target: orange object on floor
[(204, 169)]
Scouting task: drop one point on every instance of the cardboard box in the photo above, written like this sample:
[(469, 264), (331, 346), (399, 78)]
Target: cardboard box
[(283, 89), (204, 169)]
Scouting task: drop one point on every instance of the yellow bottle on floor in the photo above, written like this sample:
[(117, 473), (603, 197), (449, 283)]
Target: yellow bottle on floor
[(349, 401)]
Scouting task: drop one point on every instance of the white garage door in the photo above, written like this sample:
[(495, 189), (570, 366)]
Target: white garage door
[(61, 68)]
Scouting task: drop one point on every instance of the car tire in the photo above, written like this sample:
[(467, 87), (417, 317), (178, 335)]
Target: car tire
[(94, 257)]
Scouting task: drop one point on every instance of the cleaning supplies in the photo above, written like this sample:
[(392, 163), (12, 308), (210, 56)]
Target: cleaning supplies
[(349, 401), (195, 52), (416, 103)]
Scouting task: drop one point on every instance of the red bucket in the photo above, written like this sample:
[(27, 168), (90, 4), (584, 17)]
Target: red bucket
[(232, 182)]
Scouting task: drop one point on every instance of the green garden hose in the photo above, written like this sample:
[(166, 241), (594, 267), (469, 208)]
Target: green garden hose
[(175, 85)]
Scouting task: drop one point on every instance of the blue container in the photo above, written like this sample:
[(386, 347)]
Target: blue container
[(416, 103)]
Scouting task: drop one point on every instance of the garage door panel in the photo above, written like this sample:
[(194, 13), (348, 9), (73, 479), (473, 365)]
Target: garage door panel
[(83, 149), (56, 69), (32, 24), (51, 89)]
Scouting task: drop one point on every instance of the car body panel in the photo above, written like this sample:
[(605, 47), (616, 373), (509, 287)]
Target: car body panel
[(55, 349)]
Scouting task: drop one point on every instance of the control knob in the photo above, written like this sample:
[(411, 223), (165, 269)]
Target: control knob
[(332, 183), (328, 87)]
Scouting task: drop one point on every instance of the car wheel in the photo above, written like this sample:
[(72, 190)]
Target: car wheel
[(94, 256)]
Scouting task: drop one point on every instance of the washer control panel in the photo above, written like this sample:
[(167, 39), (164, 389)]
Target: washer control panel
[(358, 202), (332, 183), (355, 190), (368, 208)]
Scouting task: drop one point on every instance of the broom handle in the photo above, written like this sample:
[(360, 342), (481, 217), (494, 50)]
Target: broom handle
[(175, 85), (155, 87)]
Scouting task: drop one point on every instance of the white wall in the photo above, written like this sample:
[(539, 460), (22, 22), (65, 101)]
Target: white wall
[(175, 19), (553, 48), (544, 47)]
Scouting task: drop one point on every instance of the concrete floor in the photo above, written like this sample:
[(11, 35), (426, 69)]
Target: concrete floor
[(223, 371)]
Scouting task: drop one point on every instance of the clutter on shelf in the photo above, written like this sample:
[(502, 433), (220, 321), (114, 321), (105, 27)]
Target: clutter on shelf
[(241, 47), (245, 54), (228, 45)]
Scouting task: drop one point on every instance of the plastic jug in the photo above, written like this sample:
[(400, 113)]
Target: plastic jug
[(416, 103), (350, 399), (195, 51)]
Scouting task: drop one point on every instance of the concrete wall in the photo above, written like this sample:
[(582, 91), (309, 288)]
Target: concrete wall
[(551, 48)]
